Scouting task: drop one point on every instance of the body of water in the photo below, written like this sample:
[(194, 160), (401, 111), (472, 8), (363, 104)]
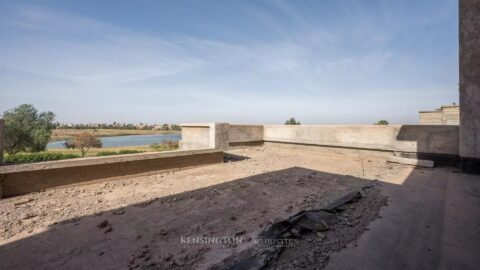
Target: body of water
[(130, 140)]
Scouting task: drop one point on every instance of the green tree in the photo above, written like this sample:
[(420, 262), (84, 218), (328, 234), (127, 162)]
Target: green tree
[(292, 121), (382, 123), (83, 142), (26, 129), (176, 127)]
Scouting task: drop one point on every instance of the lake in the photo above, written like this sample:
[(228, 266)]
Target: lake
[(130, 140)]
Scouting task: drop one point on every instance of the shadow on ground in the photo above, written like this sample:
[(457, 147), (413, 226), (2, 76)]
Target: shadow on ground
[(149, 235)]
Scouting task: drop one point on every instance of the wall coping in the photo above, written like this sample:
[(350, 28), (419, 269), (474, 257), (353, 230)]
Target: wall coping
[(48, 165)]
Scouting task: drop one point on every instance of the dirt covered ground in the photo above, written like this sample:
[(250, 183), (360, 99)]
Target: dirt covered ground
[(194, 218)]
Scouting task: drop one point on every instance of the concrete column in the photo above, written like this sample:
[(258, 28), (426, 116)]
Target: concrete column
[(469, 31), (219, 136), (2, 139), (2, 143)]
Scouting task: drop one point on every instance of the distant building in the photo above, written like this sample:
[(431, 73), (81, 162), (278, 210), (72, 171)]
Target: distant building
[(445, 115)]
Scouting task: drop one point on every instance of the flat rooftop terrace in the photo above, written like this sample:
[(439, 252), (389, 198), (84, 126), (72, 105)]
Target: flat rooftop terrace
[(407, 218)]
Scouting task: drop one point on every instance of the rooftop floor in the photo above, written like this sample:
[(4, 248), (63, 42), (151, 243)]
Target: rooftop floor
[(432, 219)]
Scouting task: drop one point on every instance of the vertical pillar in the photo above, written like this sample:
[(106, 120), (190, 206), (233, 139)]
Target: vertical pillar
[(469, 31), (2, 139), (219, 136), (2, 143)]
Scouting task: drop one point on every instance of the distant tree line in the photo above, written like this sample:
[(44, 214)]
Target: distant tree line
[(382, 123), (115, 125), (292, 121)]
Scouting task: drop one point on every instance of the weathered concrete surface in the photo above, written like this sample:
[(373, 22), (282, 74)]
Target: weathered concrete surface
[(195, 136), (27, 178), (219, 136), (418, 138), (431, 222), (446, 115), (2, 135), (204, 136), (470, 84), (411, 161), (242, 134)]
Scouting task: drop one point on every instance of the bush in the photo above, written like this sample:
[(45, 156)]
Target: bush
[(382, 123), (106, 153), (124, 152), (165, 145), (19, 158), (121, 152), (292, 121)]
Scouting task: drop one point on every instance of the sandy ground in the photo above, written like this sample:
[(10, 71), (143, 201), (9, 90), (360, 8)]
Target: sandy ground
[(143, 222)]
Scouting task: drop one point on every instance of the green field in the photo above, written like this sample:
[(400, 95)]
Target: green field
[(93, 151)]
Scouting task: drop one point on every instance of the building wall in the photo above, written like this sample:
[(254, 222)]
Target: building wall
[(431, 118), (469, 33), (451, 115), (446, 115)]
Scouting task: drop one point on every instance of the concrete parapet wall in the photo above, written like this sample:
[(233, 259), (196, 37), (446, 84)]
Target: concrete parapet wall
[(418, 138), (195, 136), (27, 178), (245, 134), (219, 135)]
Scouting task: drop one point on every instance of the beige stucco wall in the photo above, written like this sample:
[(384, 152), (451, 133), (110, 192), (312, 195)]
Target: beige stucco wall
[(414, 138)]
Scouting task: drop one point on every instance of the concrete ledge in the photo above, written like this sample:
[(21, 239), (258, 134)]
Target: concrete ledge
[(249, 143), (411, 161), (22, 179)]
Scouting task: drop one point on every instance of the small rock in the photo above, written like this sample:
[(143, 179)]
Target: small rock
[(23, 202), (321, 236), (240, 233), (103, 224), (169, 257), (119, 212)]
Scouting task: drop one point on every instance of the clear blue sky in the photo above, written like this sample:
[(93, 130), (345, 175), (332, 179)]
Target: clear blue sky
[(324, 62)]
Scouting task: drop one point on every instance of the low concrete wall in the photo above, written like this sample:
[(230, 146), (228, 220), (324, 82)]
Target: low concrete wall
[(195, 136), (416, 138), (245, 135), (22, 179), (219, 135)]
